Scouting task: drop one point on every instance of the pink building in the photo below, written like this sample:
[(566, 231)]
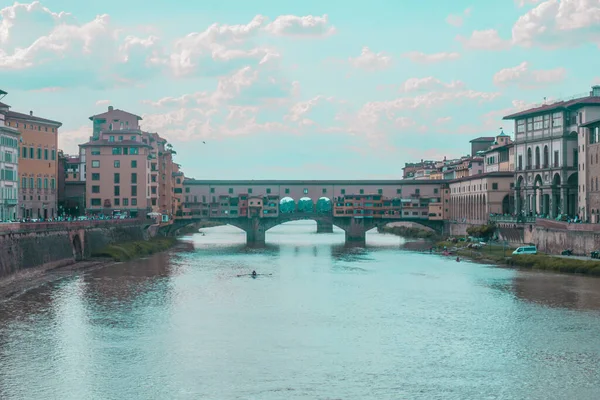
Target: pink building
[(117, 166)]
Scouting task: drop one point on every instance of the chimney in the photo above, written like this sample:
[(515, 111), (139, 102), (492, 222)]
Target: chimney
[(110, 108), (31, 113)]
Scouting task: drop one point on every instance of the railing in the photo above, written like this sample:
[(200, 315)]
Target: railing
[(512, 219), (551, 224), (65, 225)]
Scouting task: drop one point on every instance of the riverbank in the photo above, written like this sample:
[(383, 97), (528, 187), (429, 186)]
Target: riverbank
[(409, 232), (131, 250), (25, 280), (493, 254)]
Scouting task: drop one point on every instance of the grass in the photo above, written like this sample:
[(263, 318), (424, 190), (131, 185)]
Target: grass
[(130, 250)]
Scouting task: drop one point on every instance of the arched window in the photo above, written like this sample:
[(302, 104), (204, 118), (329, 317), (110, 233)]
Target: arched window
[(529, 158), (546, 157), (537, 157)]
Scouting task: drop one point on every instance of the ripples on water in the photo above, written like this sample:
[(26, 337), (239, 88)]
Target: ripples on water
[(330, 323)]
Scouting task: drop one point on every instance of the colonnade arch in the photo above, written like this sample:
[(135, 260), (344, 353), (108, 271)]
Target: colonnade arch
[(469, 207)]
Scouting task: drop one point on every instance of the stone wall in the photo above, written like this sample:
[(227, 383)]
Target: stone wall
[(53, 247), (457, 228), (552, 237)]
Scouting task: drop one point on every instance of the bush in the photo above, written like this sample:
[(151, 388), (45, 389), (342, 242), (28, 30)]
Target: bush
[(557, 264), (407, 232), (129, 250), (482, 231)]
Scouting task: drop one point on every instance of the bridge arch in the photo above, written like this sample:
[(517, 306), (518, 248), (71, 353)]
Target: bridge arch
[(324, 205), (306, 205), (287, 205), (77, 247)]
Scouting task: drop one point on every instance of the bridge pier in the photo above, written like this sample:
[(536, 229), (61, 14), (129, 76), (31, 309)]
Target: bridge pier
[(324, 227), (255, 234), (356, 232)]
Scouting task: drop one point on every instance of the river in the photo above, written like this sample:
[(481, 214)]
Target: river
[(323, 322)]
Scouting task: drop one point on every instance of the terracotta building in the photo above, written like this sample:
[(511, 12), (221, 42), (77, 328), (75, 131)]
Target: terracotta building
[(38, 166)]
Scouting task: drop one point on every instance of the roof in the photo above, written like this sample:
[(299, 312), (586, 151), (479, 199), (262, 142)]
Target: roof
[(497, 148), (32, 118), (3, 105), (106, 114), (72, 159), (502, 134), (560, 105), (250, 183), (105, 142), (589, 123), (483, 139), (495, 174)]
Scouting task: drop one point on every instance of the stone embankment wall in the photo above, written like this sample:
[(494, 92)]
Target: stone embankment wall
[(52, 245), (457, 228), (553, 237)]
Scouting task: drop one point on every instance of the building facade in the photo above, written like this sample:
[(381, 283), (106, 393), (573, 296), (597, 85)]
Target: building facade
[(589, 200), (500, 156), (548, 162), (38, 164), (9, 168), (473, 199)]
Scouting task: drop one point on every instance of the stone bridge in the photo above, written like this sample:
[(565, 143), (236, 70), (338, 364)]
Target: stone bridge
[(354, 228)]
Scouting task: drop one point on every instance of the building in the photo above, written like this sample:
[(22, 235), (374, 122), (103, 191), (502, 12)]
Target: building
[(472, 199), (117, 165), (590, 200), (500, 156), (550, 153), (38, 166), (419, 170), (481, 144), (70, 187), (9, 171)]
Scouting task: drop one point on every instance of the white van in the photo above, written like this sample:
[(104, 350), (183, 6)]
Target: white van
[(525, 250)]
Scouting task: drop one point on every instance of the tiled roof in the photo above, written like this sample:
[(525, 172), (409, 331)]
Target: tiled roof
[(105, 142), (560, 105), (104, 114), (497, 174), (483, 139), (28, 117)]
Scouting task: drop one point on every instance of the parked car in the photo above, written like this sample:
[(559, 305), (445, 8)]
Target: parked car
[(525, 250), (567, 252), (595, 254)]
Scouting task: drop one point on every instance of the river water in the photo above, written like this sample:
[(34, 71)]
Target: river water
[(324, 322)]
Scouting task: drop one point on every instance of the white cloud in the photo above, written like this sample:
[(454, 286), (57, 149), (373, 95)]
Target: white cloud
[(523, 3), (556, 23), (292, 25), (526, 78), (458, 19), (429, 83), (443, 120), (102, 102), (484, 40), (298, 111), (69, 140), (371, 61), (423, 58)]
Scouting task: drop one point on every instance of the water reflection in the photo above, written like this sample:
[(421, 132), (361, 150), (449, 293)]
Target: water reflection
[(324, 321)]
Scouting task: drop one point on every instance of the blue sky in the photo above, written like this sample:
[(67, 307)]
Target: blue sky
[(311, 90)]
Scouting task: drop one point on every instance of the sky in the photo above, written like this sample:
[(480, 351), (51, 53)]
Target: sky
[(298, 90)]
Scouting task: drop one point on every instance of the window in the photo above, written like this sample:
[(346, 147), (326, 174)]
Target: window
[(117, 164), (39, 153), (133, 192), (212, 190), (116, 151), (538, 122), (45, 183), (117, 190), (95, 151), (287, 191), (250, 190), (546, 121), (521, 126), (305, 191), (45, 154), (52, 183), (230, 190), (417, 191), (343, 191), (557, 120), (95, 176), (95, 189), (117, 202), (529, 124), (95, 202), (125, 202), (556, 158), (133, 177), (187, 189), (134, 202), (125, 150), (324, 191), (134, 151), (435, 191), (362, 191), (133, 138), (111, 138), (31, 150), (268, 191), (53, 155), (398, 191), (380, 191), (495, 186), (121, 137), (39, 183), (24, 152), (117, 178), (95, 163), (24, 183), (153, 189), (31, 183), (133, 163)]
